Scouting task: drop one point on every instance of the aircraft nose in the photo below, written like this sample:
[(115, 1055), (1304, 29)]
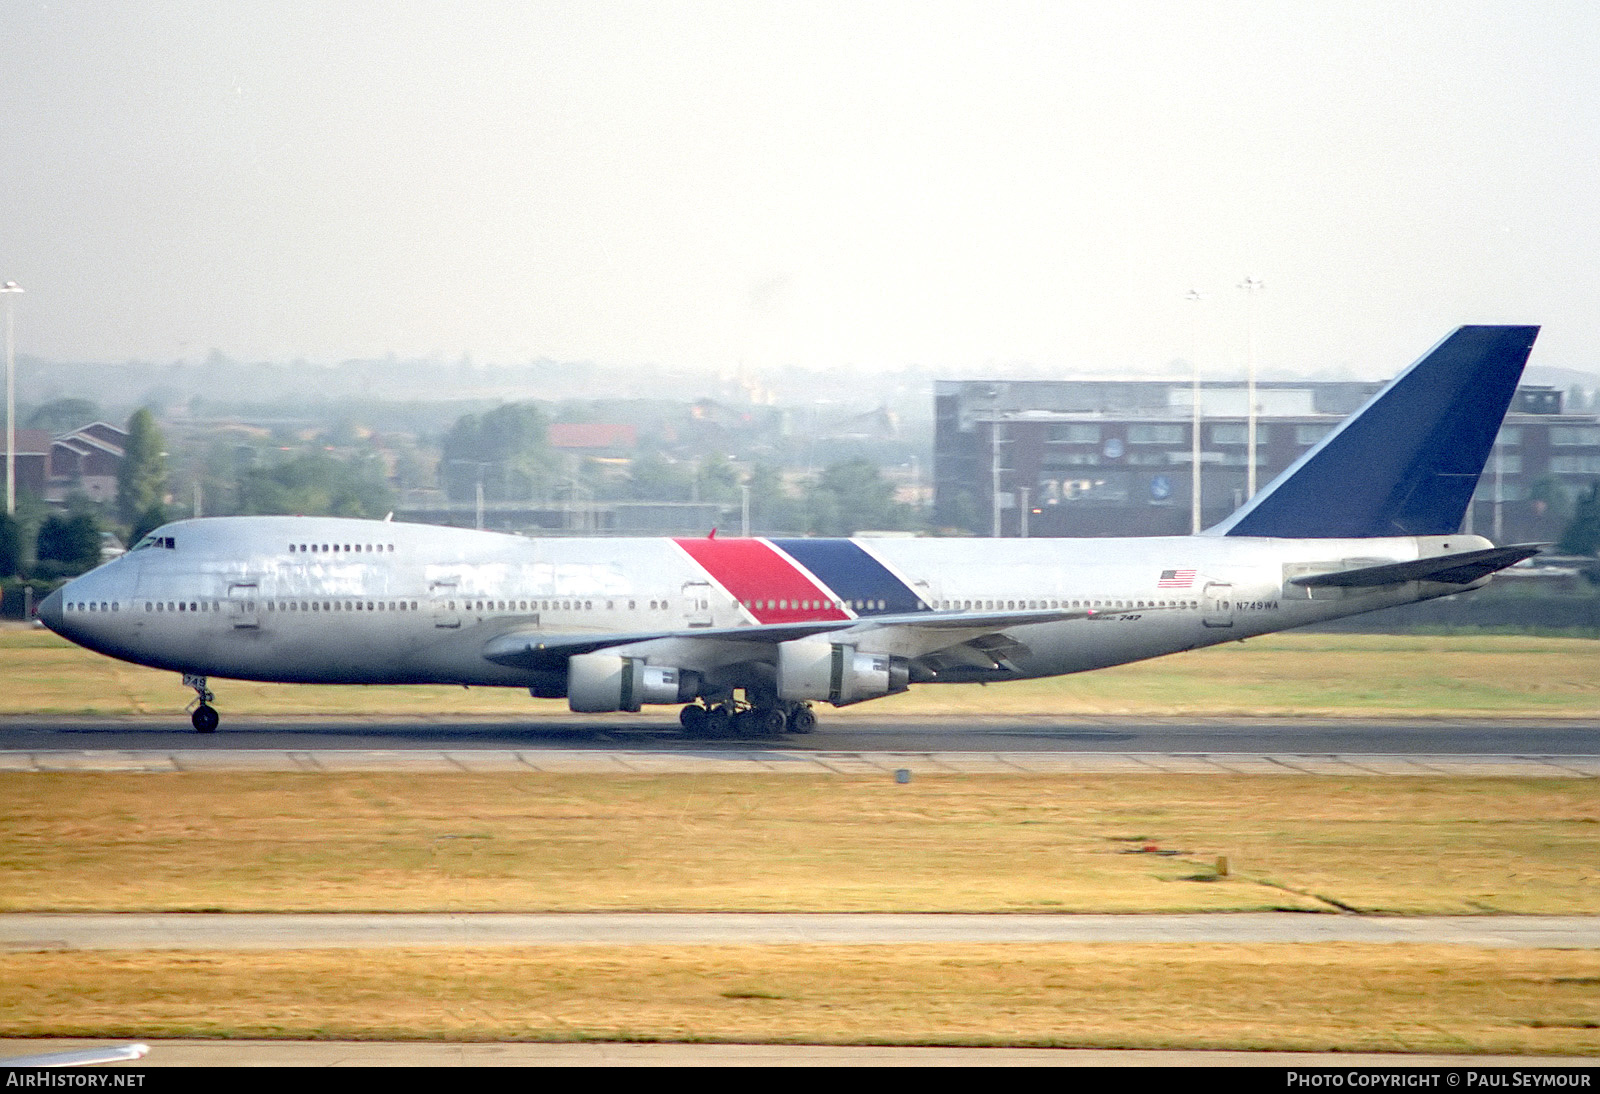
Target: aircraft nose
[(50, 612)]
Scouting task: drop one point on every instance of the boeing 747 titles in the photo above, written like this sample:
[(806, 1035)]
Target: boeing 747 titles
[(748, 634)]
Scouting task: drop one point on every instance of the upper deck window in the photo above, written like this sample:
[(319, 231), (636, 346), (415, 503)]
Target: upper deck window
[(357, 548)]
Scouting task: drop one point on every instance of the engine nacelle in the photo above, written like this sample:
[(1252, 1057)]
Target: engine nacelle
[(598, 683), (817, 669)]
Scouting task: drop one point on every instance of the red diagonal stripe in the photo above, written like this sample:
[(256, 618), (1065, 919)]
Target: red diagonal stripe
[(758, 574)]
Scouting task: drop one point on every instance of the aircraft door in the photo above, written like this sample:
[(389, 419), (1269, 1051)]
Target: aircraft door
[(696, 603), (243, 605), (1216, 604), (444, 604)]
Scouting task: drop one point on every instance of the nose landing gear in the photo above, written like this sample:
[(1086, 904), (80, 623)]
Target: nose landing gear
[(202, 715)]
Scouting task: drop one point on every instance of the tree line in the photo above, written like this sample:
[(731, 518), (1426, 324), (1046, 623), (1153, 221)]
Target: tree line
[(505, 452)]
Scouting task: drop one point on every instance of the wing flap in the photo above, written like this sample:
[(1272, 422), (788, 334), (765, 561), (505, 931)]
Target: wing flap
[(531, 649)]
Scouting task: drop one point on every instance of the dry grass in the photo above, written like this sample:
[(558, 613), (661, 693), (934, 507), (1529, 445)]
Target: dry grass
[(1324, 997), (1288, 674), (532, 842), (718, 842)]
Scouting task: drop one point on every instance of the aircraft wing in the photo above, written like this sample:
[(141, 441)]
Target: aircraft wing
[(531, 649), (930, 630), (1457, 569)]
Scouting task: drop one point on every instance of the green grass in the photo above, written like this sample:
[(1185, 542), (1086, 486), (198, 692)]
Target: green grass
[(1287, 674)]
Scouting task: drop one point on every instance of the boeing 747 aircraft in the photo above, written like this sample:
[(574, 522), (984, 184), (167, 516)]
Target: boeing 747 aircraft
[(749, 633)]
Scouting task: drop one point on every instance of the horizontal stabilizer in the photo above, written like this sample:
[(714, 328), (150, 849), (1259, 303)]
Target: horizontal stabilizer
[(1458, 569), (1405, 464)]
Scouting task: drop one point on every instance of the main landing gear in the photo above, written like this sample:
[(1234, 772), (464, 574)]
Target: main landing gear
[(734, 719), (202, 715)]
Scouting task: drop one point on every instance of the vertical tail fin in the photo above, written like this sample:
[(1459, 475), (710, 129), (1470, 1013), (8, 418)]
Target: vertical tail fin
[(1405, 464)]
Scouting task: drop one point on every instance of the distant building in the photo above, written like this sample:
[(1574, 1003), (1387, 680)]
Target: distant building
[(1113, 458), (587, 518), (32, 461), (86, 461), (593, 438), (881, 424)]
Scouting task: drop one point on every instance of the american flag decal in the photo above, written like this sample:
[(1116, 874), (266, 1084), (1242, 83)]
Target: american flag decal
[(1176, 579)]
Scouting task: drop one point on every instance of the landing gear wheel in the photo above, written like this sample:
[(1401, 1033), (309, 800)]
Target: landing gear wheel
[(802, 720), (718, 722), (693, 719), (769, 722), (205, 719)]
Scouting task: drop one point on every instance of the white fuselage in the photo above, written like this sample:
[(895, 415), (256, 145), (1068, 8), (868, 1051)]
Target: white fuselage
[(325, 600)]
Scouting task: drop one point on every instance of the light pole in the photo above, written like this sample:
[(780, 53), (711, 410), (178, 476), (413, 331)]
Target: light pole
[(1251, 286), (11, 289), (477, 489), (1194, 297), (1499, 491), (994, 462)]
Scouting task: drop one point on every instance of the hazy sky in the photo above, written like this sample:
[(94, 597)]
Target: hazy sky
[(961, 186)]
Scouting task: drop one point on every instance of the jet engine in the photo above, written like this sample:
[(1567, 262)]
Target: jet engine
[(598, 683), (815, 668)]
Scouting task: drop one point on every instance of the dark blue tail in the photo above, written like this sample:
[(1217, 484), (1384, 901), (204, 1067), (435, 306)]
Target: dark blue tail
[(1406, 463)]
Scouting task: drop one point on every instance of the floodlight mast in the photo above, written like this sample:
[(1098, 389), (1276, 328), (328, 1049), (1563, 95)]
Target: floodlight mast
[(1251, 286), (10, 289), (1194, 296)]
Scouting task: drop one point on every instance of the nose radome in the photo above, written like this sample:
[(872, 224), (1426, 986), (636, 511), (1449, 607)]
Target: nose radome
[(50, 612)]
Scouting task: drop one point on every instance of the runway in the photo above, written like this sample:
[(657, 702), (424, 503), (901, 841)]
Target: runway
[(21, 932), (245, 1053), (1023, 745), (853, 732)]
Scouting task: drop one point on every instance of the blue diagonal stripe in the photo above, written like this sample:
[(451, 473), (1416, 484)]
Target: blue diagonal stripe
[(854, 575)]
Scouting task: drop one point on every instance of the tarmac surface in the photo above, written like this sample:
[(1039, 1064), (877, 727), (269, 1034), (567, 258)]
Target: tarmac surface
[(836, 731), (21, 932), (1043, 744), (193, 1053)]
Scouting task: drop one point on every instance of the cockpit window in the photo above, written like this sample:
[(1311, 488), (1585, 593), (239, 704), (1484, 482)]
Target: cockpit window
[(167, 542)]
